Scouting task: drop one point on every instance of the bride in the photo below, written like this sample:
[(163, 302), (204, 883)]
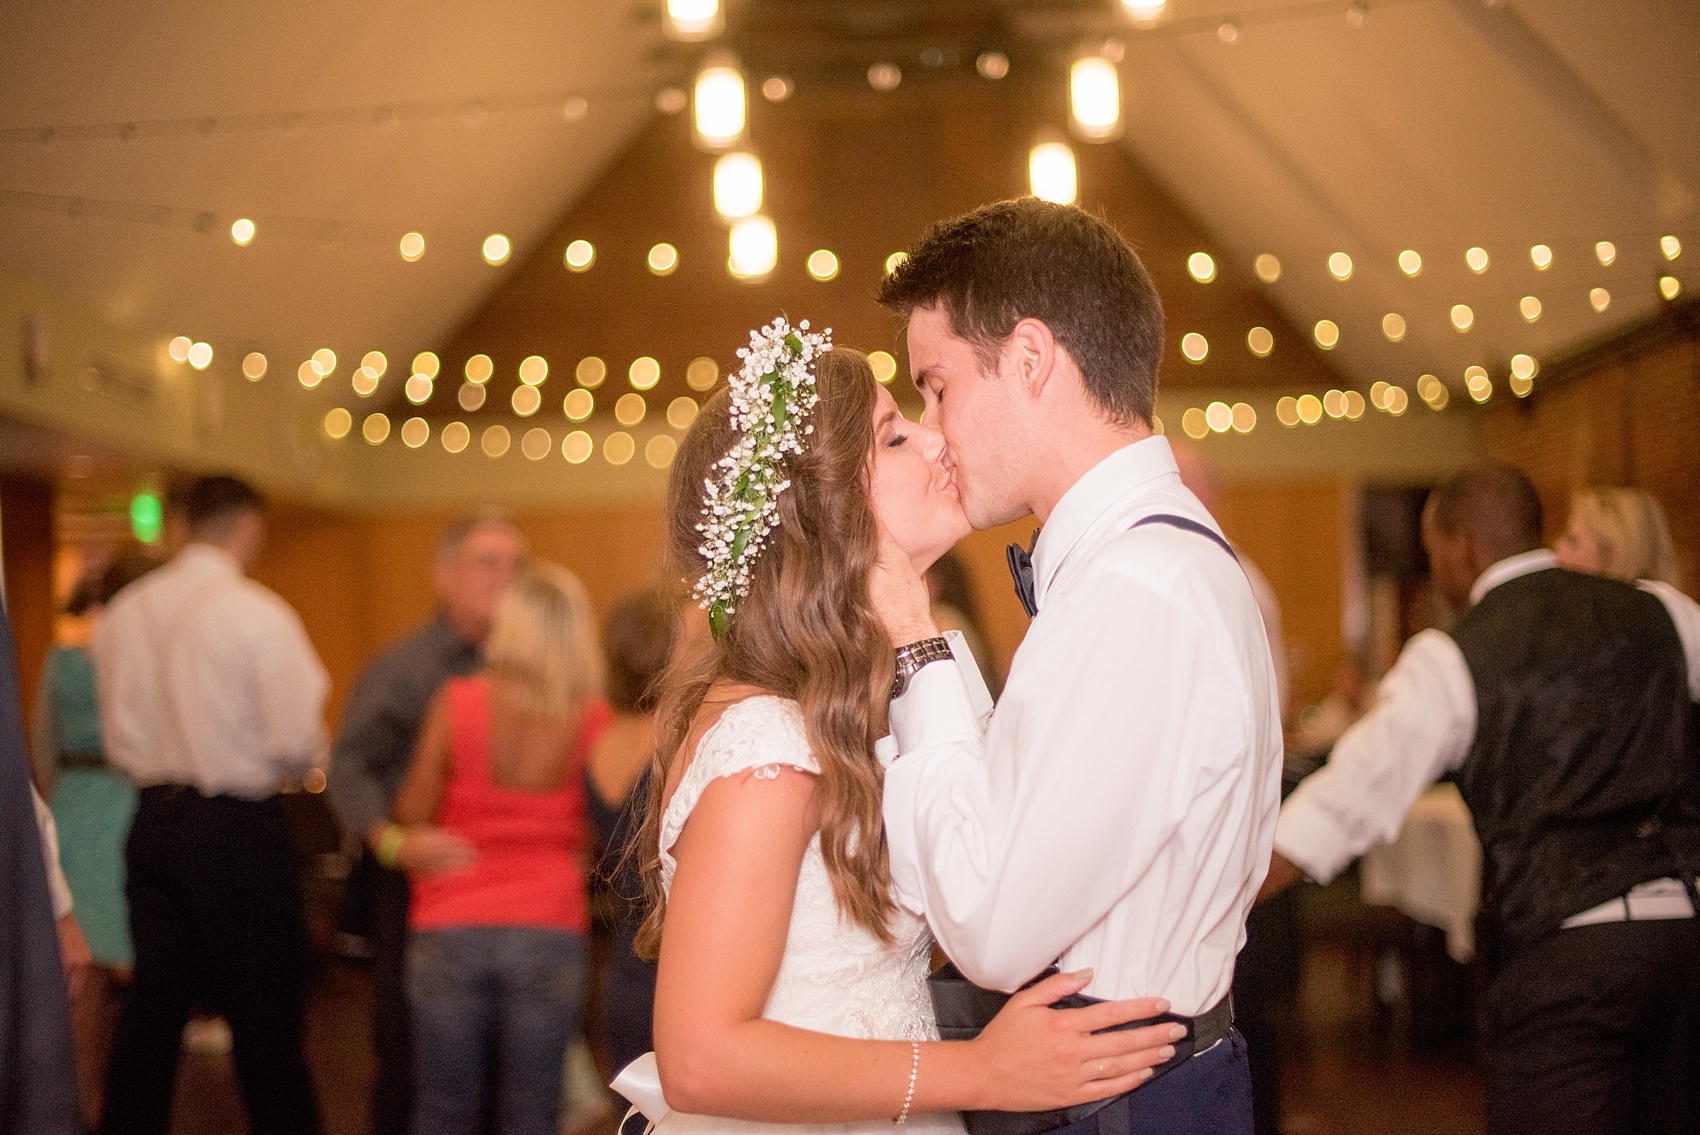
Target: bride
[(792, 989)]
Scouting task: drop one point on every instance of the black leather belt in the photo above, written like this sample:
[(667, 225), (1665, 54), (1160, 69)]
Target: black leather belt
[(963, 1009)]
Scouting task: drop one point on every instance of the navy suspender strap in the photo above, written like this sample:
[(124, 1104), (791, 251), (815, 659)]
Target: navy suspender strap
[(1185, 523)]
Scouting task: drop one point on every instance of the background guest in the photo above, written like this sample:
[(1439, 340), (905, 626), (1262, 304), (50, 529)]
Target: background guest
[(38, 1091), (1564, 704), (478, 556), (92, 804), (496, 961), (1619, 533), (637, 643), (211, 696)]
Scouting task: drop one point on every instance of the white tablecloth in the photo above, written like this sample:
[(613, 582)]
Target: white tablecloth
[(1433, 871)]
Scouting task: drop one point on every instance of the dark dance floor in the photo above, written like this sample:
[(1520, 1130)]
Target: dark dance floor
[(1355, 1066)]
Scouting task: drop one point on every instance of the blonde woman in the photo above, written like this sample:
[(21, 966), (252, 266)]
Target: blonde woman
[(1620, 533), (496, 961)]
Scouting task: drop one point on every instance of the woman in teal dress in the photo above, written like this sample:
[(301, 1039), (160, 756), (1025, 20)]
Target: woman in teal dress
[(92, 802)]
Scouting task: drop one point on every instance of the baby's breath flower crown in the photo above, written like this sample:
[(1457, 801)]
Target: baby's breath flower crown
[(772, 396)]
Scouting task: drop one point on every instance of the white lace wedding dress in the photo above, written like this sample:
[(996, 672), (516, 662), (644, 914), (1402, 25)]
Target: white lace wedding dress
[(834, 977)]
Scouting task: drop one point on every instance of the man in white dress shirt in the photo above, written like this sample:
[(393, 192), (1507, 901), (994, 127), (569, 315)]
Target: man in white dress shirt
[(1565, 706), (1115, 811), (210, 698)]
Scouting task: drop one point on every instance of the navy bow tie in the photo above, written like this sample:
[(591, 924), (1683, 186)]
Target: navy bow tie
[(1021, 570)]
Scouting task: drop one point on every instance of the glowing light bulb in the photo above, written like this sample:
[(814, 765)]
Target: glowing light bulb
[(1051, 173), (1145, 11), (822, 264), (660, 451), (689, 20), (719, 104), (752, 248), (497, 249), (703, 372), (1340, 266), (577, 447), (200, 355), (1410, 263), (1095, 99), (242, 232), (737, 185), (1541, 257), (580, 255), (884, 366), (1201, 267), (643, 374), (663, 259)]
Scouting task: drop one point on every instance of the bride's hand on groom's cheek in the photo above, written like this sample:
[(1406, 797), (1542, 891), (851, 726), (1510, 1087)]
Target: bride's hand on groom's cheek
[(1037, 1058), (899, 594)]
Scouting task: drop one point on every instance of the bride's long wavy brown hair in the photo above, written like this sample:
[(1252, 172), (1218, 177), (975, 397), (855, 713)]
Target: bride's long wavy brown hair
[(805, 631)]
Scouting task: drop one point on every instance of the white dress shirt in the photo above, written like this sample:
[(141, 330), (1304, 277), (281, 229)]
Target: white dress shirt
[(207, 679), (1421, 726), (1116, 811)]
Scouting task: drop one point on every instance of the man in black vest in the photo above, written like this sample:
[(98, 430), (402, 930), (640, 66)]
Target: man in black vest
[(1564, 705)]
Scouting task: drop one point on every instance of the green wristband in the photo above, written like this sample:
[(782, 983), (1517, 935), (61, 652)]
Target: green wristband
[(389, 844)]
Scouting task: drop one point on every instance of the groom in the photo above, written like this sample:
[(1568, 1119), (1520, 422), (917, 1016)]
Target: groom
[(1117, 810)]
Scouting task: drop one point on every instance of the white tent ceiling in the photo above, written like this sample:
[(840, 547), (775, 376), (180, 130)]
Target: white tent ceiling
[(1434, 125)]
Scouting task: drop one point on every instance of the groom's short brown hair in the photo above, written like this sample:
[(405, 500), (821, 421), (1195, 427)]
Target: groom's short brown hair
[(1031, 259)]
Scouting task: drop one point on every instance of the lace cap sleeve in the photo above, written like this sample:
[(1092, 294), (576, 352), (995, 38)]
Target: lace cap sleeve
[(759, 735)]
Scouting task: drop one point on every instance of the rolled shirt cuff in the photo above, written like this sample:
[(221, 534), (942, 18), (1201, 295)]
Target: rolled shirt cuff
[(1309, 840), (945, 701)]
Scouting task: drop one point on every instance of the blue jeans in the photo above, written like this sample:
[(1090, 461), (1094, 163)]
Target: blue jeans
[(508, 992)]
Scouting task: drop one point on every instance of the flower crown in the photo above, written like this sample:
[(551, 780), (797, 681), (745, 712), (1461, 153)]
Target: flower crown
[(772, 396)]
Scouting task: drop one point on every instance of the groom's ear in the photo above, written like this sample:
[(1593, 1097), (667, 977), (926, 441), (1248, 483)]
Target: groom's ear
[(1031, 354)]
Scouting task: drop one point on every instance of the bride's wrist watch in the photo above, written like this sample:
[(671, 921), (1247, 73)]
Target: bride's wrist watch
[(914, 655)]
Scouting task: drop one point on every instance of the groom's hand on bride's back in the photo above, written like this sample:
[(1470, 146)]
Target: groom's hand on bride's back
[(1038, 1058)]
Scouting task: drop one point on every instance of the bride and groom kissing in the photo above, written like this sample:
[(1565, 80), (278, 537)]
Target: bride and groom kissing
[(834, 791)]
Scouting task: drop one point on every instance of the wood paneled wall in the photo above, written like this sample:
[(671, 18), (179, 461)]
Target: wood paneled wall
[(360, 582), (1626, 414)]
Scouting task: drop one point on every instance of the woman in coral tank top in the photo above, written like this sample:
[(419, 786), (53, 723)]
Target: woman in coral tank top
[(496, 962)]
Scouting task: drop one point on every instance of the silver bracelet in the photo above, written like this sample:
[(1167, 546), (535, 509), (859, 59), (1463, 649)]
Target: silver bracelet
[(914, 1072)]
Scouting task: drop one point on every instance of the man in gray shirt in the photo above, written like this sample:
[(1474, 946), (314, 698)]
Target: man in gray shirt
[(477, 557)]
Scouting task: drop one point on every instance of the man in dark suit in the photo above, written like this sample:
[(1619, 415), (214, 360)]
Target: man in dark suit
[(1565, 707)]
